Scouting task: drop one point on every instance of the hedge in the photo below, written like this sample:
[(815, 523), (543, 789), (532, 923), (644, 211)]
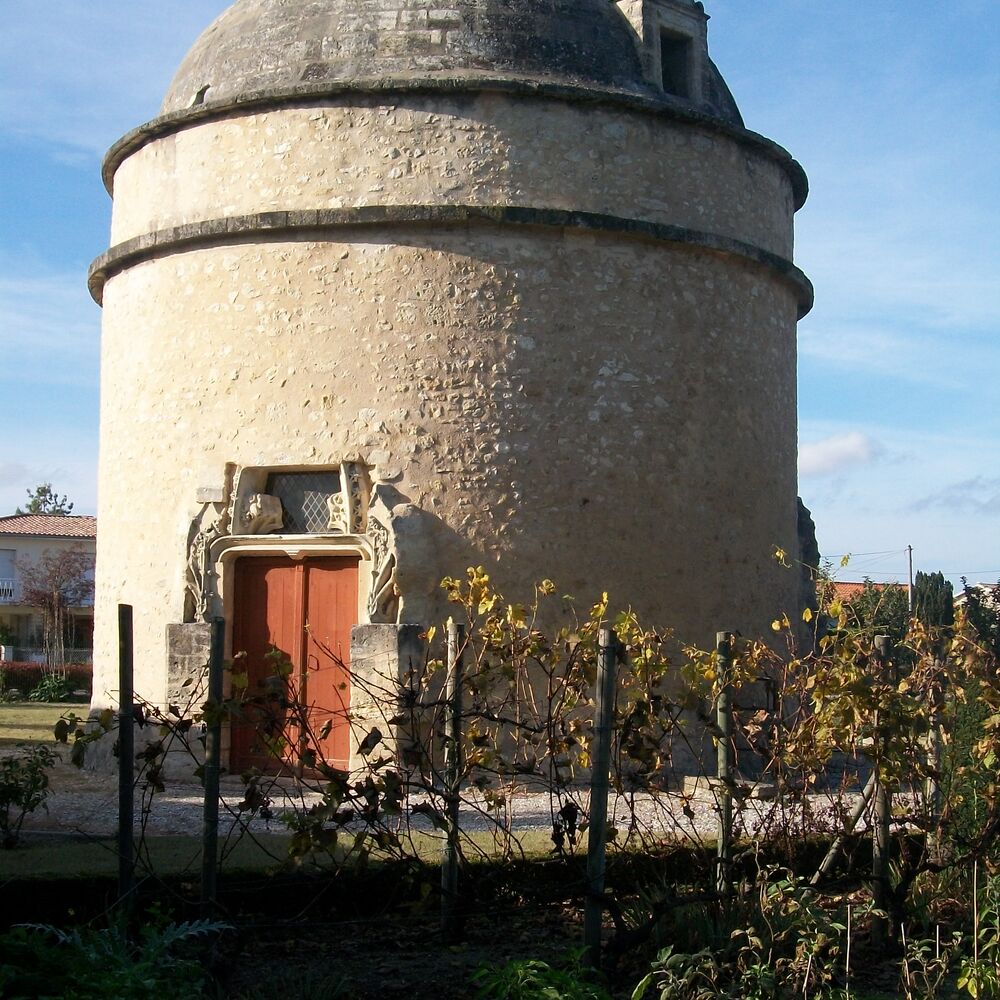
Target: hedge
[(27, 676)]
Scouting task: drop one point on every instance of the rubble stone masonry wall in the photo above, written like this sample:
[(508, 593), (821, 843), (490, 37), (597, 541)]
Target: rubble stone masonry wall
[(605, 410), (485, 150)]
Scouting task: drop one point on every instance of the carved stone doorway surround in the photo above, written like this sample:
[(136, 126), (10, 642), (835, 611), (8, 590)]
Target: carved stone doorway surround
[(240, 521)]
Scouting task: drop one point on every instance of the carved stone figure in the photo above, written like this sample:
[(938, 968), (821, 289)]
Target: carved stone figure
[(213, 522), (263, 514), (199, 588), (339, 518), (355, 488), (405, 571), (383, 600)]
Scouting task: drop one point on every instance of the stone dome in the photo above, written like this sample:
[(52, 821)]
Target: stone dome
[(277, 46)]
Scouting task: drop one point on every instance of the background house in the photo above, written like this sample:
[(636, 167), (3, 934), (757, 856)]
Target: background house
[(28, 540), (847, 591)]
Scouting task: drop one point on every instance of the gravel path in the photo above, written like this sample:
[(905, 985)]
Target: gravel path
[(86, 803)]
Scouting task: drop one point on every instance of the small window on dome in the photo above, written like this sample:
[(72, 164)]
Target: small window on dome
[(675, 64)]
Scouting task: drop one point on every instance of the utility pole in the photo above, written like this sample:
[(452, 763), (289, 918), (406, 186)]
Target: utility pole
[(909, 583)]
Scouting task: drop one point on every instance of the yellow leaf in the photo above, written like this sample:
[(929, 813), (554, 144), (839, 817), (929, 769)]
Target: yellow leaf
[(845, 559), (516, 614), (807, 615), (776, 625)]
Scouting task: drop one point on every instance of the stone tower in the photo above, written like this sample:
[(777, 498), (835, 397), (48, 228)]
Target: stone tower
[(397, 287)]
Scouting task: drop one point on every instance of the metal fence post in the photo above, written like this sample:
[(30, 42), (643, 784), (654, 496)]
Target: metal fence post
[(600, 763), (126, 757), (724, 764), (881, 810), (213, 738), (450, 923), (935, 743), (836, 848)]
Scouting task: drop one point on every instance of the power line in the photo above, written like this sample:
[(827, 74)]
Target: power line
[(884, 552), (871, 560)]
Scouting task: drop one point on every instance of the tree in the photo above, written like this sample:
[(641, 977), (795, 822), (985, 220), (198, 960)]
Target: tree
[(880, 608), (933, 600), (61, 579), (44, 500), (982, 607)]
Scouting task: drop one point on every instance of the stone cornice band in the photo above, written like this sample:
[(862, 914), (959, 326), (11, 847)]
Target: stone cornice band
[(272, 226), (319, 93)]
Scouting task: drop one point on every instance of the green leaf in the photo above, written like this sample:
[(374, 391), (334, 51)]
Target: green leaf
[(640, 991)]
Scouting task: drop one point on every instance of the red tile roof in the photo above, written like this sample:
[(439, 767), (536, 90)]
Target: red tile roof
[(844, 591), (49, 525)]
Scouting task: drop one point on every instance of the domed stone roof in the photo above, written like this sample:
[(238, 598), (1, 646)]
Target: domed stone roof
[(276, 46)]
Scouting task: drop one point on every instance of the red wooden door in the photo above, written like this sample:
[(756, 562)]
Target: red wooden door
[(299, 613), (331, 609)]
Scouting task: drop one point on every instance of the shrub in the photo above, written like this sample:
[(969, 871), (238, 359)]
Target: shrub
[(532, 979), (24, 786), (979, 975), (91, 963), (24, 677), (52, 687), (967, 786)]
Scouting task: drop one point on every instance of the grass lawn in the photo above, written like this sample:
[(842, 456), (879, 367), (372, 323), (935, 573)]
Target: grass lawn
[(42, 855), (32, 721)]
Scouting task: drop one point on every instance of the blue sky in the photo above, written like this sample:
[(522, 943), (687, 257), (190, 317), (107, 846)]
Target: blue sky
[(893, 108)]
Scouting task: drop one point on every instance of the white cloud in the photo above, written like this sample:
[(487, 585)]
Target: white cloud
[(50, 336), (837, 453), (68, 462), (913, 356), (933, 487), (50, 328), (12, 474), (978, 495), (103, 67), (886, 265)]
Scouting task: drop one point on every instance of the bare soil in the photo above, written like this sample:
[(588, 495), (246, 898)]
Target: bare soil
[(400, 957)]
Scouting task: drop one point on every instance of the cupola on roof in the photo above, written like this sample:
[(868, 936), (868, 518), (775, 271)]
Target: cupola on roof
[(277, 46)]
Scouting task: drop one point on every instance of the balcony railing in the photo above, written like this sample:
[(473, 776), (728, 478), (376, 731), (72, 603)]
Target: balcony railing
[(8, 591)]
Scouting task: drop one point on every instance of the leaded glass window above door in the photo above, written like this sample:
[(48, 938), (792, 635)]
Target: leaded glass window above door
[(305, 499)]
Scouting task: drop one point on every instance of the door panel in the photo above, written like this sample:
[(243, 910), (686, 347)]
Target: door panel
[(265, 619), (330, 612), (304, 610)]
